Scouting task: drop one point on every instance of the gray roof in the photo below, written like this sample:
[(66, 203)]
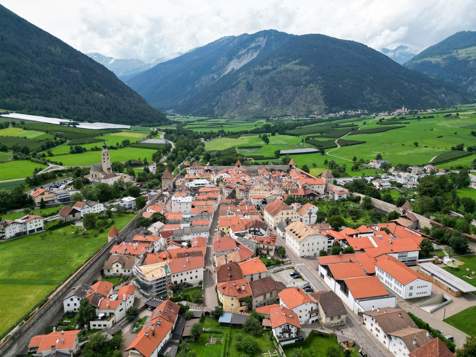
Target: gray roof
[(330, 303), (391, 320), (447, 277), (232, 319)]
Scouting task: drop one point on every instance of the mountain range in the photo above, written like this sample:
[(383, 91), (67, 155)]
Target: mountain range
[(400, 54), (124, 68), (452, 60), (40, 74), (271, 73)]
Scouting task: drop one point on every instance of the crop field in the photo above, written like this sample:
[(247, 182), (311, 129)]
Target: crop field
[(216, 124), (467, 192), (5, 156), (22, 133), (32, 267), (17, 169), (89, 158)]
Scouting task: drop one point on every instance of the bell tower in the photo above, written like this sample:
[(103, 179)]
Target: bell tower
[(106, 161)]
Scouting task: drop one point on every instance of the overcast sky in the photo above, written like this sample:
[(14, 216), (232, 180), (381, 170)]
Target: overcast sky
[(150, 29)]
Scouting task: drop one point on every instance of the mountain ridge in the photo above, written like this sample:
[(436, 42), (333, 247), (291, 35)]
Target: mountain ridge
[(272, 73)]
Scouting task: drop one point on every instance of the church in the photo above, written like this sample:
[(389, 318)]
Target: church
[(102, 173)]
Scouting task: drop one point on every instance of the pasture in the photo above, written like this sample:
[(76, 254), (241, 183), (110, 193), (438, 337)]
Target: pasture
[(22, 133), (18, 169), (89, 158), (200, 124), (33, 266)]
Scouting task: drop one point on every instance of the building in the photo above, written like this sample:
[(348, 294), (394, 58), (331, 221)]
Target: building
[(305, 240), (265, 291), (25, 225), (444, 279), (433, 348), (42, 196), (301, 303), (156, 332), (89, 207), (119, 265), (128, 202), (228, 272), (55, 343), (103, 172), (72, 301), (113, 308), (395, 330), (403, 281), (153, 280), (308, 213), (277, 211), (253, 269), (167, 180), (284, 324), (182, 203), (69, 214), (235, 295), (187, 270), (332, 312)]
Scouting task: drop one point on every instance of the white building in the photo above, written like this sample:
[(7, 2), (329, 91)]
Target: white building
[(308, 213), (128, 202), (89, 207), (182, 204), (72, 301), (25, 225), (277, 211), (119, 265), (285, 324), (403, 281), (302, 304), (187, 270), (305, 241)]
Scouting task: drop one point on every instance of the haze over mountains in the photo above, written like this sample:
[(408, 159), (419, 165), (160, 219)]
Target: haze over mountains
[(452, 60), (124, 68), (272, 73), (400, 54), (40, 74)]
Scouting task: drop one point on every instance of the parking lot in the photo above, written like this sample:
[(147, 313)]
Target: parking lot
[(291, 278)]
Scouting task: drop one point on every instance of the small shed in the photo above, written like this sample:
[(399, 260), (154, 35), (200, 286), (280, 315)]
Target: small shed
[(229, 318)]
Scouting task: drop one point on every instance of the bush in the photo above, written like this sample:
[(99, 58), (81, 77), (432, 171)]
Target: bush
[(247, 345)]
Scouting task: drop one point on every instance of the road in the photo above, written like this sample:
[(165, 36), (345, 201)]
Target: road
[(354, 328), (209, 282)]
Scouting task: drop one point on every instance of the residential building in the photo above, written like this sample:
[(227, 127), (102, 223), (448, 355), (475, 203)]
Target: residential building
[(228, 272), (277, 211), (187, 270), (182, 203), (153, 280), (119, 265), (235, 295), (25, 225), (41, 195), (332, 312), (69, 214), (253, 269), (403, 281), (88, 207), (305, 240), (265, 291), (308, 213), (301, 303), (433, 348), (55, 343), (285, 325), (113, 308), (128, 202)]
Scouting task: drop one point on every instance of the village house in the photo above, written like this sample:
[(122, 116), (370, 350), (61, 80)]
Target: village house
[(301, 303), (265, 291), (332, 312), (25, 225), (308, 213), (253, 269), (304, 240), (69, 214), (42, 196), (284, 323), (277, 211), (55, 343), (235, 295), (119, 265), (89, 207)]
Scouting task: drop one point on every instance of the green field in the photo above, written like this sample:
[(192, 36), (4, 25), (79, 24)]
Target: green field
[(202, 124), (228, 337), (44, 212), (17, 169), (29, 134), (89, 158), (32, 267), (467, 192), (464, 321), (5, 156), (466, 270)]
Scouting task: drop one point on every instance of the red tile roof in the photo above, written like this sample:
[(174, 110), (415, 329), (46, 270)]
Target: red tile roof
[(342, 271), (223, 244), (433, 348), (276, 206), (58, 340), (398, 270), (366, 287), (294, 297), (253, 266), (179, 265), (281, 316), (236, 288)]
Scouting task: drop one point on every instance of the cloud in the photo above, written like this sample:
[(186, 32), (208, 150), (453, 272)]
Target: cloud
[(150, 29)]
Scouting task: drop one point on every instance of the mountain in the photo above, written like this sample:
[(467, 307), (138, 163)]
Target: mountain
[(124, 68), (40, 74), (400, 54), (272, 73), (452, 60)]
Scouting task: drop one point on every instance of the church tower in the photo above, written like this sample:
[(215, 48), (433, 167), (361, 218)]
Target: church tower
[(106, 161)]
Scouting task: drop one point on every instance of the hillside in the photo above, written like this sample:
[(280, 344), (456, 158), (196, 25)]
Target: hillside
[(124, 68), (400, 54), (452, 60), (271, 73), (39, 74)]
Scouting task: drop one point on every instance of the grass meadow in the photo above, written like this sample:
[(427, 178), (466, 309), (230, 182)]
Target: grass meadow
[(32, 267), (17, 169), (89, 158), (464, 321)]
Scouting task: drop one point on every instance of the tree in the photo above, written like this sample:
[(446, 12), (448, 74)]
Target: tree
[(281, 251), (378, 156), (393, 215), (140, 202), (469, 348), (132, 313), (196, 331), (305, 168), (77, 197), (99, 345), (366, 203), (426, 248), (459, 244), (86, 313), (248, 345), (253, 326), (217, 312), (89, 221), (348, 250), (336, 249), (336, 222), (333, 351)]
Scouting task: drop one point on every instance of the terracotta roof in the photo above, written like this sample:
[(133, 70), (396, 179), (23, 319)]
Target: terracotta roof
[(266, 310), (342, 271), (303, 210), (173, 216), (113, 232), (130, 248), (126, 261), (145, 238), (412, 337), (366, 287), (224, 243), (37, 192), (276, 206), (253, 266), (300, 230), (362, 258), (279, 316), (433, 348), (265, 286), (179, 265), (236, 288), (151, 336), (398, 270), (58, 340), (229, 272), (166, 309), (294, 297), (100, 287), (244, 253)]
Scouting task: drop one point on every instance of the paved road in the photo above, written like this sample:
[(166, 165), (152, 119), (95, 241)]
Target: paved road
[(209, 282), (354, 328)]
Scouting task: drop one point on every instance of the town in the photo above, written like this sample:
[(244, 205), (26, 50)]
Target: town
[(243, 250)]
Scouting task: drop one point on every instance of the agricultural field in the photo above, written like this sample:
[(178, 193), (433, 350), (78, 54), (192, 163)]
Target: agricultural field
[(5, 156), (27, 278), (89, 158), (18, 169), (22, 133), (200, 124), (464, 321), (467, 192), (44, 212)]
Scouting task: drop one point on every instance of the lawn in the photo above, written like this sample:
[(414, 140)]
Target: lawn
[(192, 294), (228, 336), (316, 345), (464, 321), (116, 138), (89, 158), (33, 266), (44, 212), (5, 156), (17, 169), (19, 132), (465, 271), (467, 192)]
